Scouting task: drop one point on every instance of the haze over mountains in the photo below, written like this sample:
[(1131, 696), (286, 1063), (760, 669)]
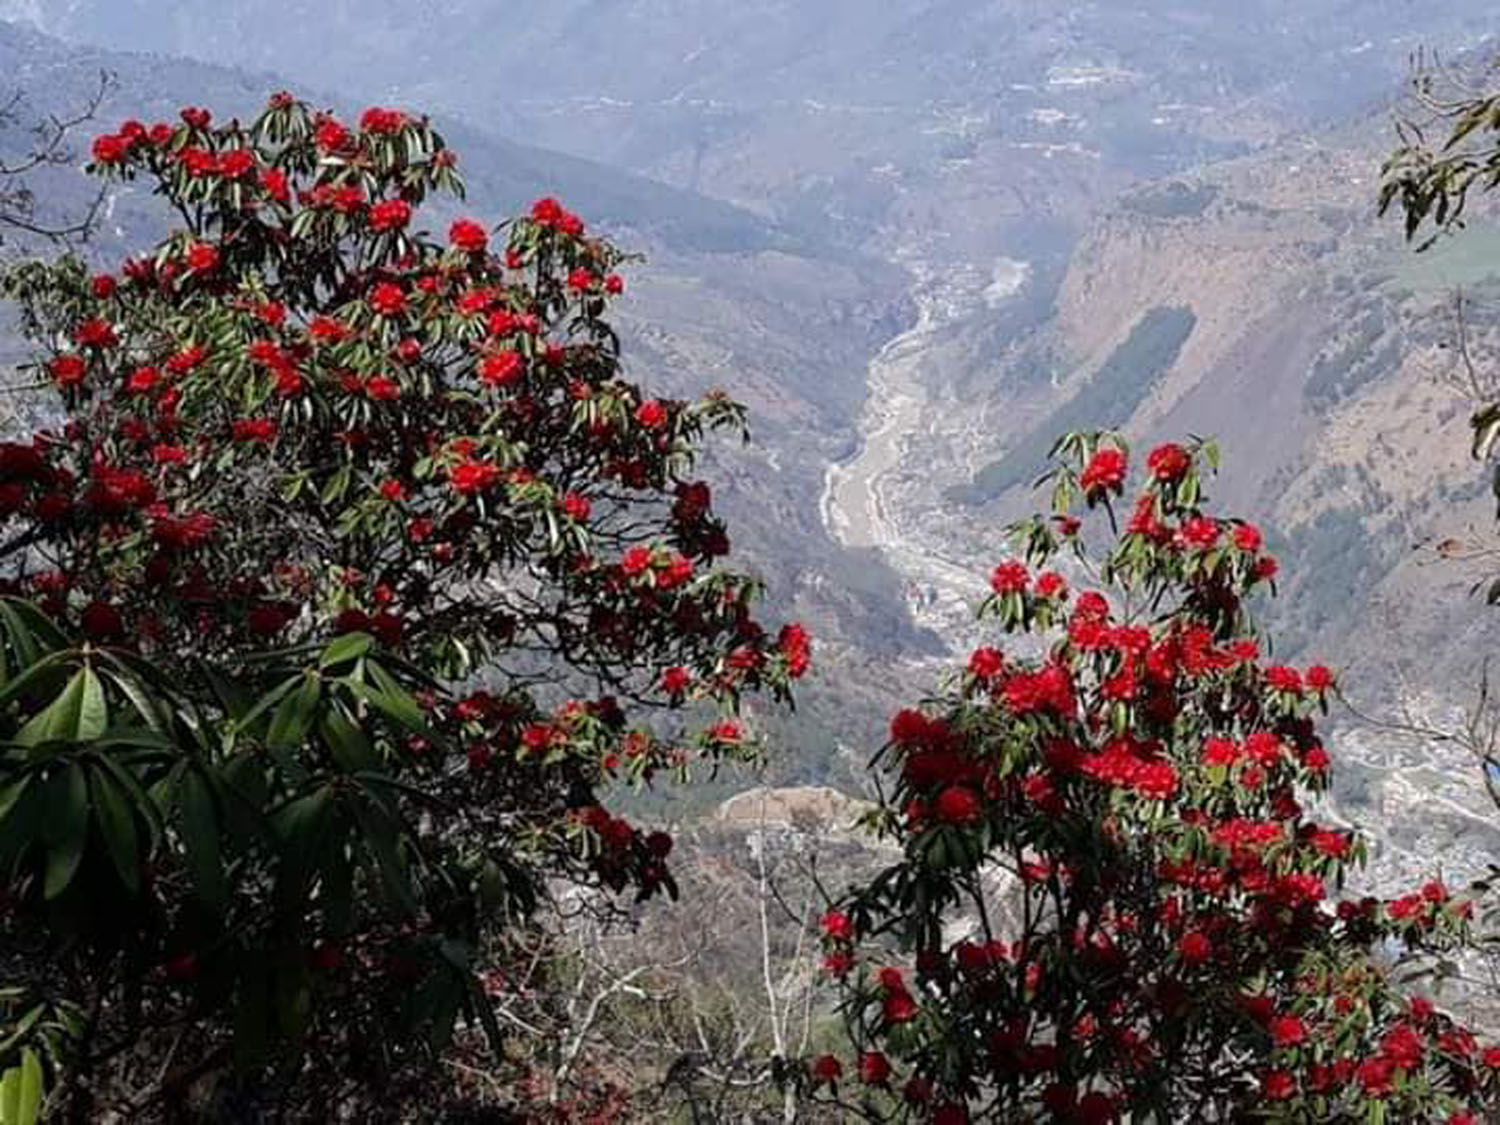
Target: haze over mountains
[(918, 238)]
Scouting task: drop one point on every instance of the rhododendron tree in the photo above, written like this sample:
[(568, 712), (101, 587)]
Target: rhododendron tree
[(355, 570), (1112, 902)]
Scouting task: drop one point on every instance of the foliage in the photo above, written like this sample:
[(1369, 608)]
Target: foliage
[(360, 569), (1110, 900)]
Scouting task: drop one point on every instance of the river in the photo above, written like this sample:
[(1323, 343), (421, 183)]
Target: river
[(904, 418)]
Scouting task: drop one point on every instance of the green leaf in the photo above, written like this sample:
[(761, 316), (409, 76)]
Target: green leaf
[(392, 700), (131, 785), (29, 1102), (65, 829), (10, 1096), (198, 820), (23, 1026), (381, 838), (93, 711), (21, 639), (295, 714), (151, 711), (347, 742), (267, 701), (292, 996), (301, 826), (116, 821), (59, 720), (34, 676), (12, 793), (345, 649)]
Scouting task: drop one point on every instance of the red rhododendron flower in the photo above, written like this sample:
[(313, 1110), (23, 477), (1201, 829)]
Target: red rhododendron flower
[(897, 1006), (1247, 537), (143, 380), (261, 430), (959, 804), (986, 663), (1319, 678), (382, 121), (1200, 533), (651, 414), (1009, 577), (236, 163), (1288, 1031), (470, 477), (202, 257), (382, 388), (110, 149), (1104, 472), (67, 370), (1281, 678), (501, 369), (469, 236), (1051, 585), (1169, 462), (388, 299), (837, 924), (827, 1070), (1278, 1085), (676, 680), (874, 1068), (576, 507), (390, 214), (331, 136), (1195, 948), (95, 333), (102, 621)]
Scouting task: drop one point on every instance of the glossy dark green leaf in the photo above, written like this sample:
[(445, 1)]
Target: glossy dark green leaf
[(346, 648), (116, 820), (59, 720), (347, 742), (381, 836), (152, 711), (268, 701), (29, 1101), (198, 821), (295, 714), (395, 701), (302, 827), (65, 829), (93, 710)]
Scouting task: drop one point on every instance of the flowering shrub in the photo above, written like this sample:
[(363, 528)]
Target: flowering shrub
[(359, 564), (1110, 901)]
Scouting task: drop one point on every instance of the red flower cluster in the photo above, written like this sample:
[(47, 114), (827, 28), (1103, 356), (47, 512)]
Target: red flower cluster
[(1140, 781)]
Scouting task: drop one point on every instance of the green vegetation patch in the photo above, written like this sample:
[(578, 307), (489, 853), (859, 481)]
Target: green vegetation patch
[(1107, 400)]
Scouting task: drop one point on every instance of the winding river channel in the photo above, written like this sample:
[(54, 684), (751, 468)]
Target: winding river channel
[(904, 419)]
